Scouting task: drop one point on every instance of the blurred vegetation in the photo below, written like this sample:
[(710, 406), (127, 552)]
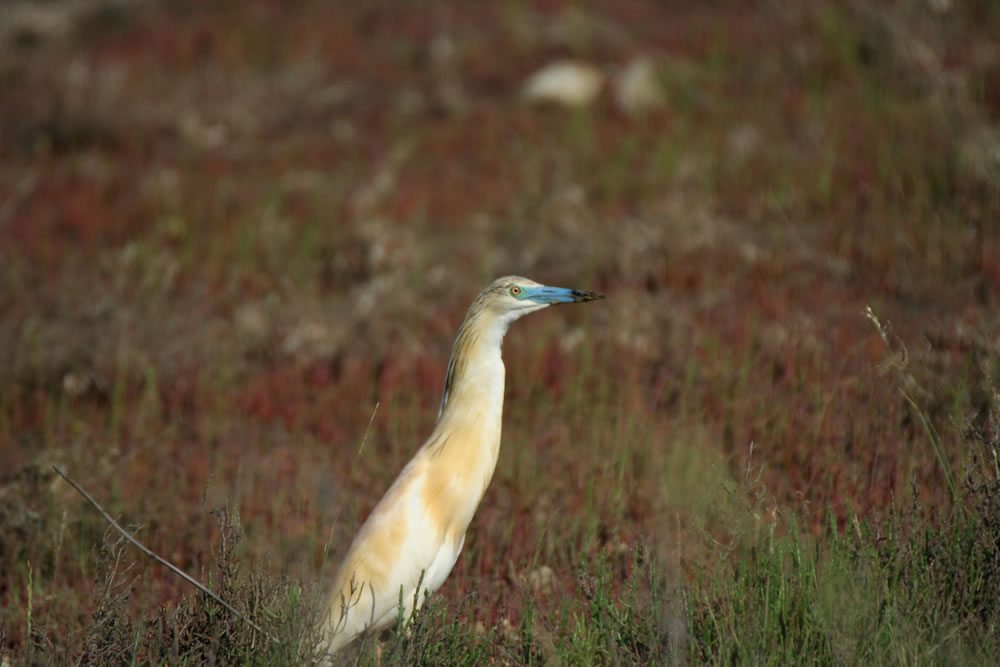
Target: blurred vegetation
[(227, 232)]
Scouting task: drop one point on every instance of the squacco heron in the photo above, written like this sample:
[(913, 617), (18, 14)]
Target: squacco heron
[(415, 533)]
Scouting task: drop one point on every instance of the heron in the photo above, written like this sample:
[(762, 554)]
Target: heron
[(411, 540)]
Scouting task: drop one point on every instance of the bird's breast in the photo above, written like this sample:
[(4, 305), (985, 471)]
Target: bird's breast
[(457, 480)]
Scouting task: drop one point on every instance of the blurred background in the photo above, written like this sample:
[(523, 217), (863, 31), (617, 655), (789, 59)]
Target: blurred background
[(229, 230)]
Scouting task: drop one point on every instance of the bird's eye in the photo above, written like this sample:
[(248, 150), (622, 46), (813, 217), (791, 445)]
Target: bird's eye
[(515, 290)]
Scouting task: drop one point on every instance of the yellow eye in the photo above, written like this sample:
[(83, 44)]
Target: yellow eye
[(515, 290)]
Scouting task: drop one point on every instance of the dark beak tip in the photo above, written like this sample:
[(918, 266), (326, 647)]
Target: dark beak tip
[(578, 296)]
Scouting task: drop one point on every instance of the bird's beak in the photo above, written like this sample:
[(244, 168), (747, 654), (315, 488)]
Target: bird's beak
[(554, 295)]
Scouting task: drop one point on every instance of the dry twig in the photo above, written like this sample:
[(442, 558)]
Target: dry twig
[(170, 566)]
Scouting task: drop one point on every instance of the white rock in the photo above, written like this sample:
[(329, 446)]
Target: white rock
[(637, 89), (566, 82)]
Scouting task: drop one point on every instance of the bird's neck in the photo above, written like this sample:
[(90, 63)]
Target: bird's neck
[(467, 435), (465, 444), (475, 380)]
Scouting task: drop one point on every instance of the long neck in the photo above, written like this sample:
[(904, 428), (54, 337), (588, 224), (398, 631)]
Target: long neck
[(475, 377), (465, 444)]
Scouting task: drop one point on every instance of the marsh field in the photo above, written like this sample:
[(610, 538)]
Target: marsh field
[(237, 240)]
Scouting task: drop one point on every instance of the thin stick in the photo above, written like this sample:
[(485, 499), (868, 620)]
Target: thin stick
[(176, 570), (364, 439)]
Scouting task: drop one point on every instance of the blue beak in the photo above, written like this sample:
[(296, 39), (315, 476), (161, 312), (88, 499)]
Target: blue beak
[(554, 295)]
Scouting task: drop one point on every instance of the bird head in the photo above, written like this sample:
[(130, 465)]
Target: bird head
[(511, 297), (505, 300)]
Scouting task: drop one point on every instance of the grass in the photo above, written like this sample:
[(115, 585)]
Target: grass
[(265, 223), (865, 597)]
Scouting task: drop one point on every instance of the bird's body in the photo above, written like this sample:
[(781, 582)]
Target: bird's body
[(416, 531)]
